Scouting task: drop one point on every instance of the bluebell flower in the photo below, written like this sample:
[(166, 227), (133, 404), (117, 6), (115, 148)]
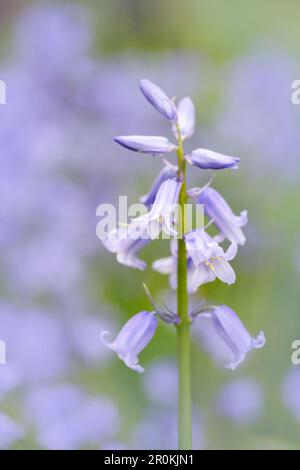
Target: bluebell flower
[(161, 216), (290, 391), (156, 145), (210, 160), (225, 337), (240, 401), (168, 172), (186, 119), (10, 431), (126, 243), (133, 338), (209, 258), (161, 102), (217, 209)]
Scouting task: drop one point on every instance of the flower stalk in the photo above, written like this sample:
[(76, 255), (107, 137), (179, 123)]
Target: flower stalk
[(183, 328)]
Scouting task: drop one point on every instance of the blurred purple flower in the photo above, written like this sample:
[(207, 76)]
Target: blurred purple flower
[(10, 431), (59, 32), (210, 160), (240, 401), (261, 81), (217, 209), (114, 445), (68, 419), (158, 431), (224, 336), (160, 382), (158, 99), (133, 338), (155, 145), (290, 391)]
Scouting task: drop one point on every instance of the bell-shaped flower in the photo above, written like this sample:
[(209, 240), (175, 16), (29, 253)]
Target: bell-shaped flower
[(209, 258), (126, 242), (210, 160), (162, 213), (133, 338), (168, 172), (217, 209), (224, 336), (154, 145), (159, 100), (186, 119)]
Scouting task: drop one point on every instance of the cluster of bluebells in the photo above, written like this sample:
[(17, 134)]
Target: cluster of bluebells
[(221, 330)]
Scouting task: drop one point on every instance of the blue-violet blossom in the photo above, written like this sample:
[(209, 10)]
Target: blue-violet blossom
[(210, 160), (154, 145), (217, 209), (168, 172), (161, 215), (159, 100), (186, 119), (225, 337), (209, 258), (133, 338)]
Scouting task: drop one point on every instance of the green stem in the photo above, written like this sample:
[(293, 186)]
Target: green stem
[(183, 328)]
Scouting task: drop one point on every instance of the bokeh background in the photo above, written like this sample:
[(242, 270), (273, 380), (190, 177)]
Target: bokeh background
[(72, 72)]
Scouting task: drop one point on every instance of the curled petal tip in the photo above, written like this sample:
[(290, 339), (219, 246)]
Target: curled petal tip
[(103, 335), (259, 341)]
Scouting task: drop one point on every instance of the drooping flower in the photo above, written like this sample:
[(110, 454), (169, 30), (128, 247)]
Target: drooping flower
[(156, 145), (126, 243), (217, 209), (225, 337), (161, 216), (209, 258), (159, 100), (210, 160), (168, 172), (186, 118), (133, 338)]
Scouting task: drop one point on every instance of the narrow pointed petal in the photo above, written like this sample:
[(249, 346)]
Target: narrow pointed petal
[(199, 275), (154, 145), (230, 254), (224, 271), (133, 338), (186, 118), (164, 265), (210, 160), (229, 224), (159, 100)]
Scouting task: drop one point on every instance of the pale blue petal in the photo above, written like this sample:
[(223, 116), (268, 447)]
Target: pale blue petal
[(159, 100)]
